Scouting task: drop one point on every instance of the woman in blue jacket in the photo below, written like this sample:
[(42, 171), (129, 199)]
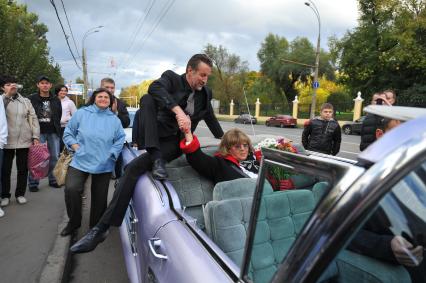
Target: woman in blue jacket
[(96, 136)]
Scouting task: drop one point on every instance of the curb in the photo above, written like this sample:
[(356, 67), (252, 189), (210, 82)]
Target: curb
[(56, 262)]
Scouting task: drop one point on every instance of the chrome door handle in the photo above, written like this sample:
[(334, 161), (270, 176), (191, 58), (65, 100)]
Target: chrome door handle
[(154, 243)]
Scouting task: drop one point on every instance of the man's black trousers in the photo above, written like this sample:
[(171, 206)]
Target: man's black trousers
[(137, 167)]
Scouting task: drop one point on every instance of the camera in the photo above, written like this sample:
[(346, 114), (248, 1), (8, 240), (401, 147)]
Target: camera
[(379, 101)]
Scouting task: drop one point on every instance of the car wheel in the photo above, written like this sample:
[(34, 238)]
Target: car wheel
[(347, 130), (281, 125), (267, 124)]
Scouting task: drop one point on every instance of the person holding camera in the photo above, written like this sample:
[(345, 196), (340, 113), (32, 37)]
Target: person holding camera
[(369, 125)]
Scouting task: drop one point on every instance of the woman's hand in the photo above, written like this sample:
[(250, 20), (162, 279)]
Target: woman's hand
[(36, 141), (188, 137)]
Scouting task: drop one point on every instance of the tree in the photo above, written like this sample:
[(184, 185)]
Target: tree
[(24, 53), (79, 80), (326, 88), (386, 50), (276, 56), (132, 94), (228, 74), (341, 101), (414, 96)]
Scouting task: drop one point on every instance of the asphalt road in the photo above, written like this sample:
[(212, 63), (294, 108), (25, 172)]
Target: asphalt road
[(349, 147)]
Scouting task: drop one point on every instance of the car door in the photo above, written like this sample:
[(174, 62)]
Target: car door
[(356, 126), (323, 249), (279, 214)]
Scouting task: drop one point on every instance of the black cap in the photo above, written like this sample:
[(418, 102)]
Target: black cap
[(43, 78)]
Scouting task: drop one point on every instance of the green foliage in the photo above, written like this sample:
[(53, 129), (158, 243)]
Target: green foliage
[(259, 86), (24, 53), (305, 93), (228, 76), (132, 94), (341, 101), (276, 55), (414, 96), (387, 48)]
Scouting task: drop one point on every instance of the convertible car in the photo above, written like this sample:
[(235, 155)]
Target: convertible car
[(342, 222)]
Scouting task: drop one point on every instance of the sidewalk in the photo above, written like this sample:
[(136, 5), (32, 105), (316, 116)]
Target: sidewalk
[(27, 233), (32, 250)]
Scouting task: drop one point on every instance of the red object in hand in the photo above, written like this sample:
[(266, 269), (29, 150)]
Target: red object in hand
[(258, 155)]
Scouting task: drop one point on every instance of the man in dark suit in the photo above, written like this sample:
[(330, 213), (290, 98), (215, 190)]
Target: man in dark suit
[(174, 104)]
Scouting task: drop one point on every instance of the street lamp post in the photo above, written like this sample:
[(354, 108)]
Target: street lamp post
[(84, 59), (315, 85)]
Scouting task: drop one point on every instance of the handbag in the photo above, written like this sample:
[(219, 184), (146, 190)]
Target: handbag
[(61, 167), (38, 160)]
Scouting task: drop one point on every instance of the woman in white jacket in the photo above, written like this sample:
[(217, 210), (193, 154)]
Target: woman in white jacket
[(68, 109), (23, 130)]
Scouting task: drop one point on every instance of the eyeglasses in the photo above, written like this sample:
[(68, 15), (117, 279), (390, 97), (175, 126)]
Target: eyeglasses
[(241, 146)]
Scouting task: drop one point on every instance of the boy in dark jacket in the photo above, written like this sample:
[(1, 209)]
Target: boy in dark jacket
[(323, 134)]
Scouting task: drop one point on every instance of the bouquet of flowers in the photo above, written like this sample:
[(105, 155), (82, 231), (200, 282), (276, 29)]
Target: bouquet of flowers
[(277, 176)]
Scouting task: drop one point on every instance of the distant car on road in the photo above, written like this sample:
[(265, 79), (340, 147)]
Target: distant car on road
[(281, 121), (354, 127), (245, 119)]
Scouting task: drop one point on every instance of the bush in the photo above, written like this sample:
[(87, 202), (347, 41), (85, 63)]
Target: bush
[(414, 96)]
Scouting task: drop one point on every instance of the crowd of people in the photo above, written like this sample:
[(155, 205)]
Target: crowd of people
[(164, 126), (47, 117)]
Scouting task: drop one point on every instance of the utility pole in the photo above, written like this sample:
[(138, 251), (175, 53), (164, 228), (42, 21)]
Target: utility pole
[(315, 84), (84, 59), (85, 79)]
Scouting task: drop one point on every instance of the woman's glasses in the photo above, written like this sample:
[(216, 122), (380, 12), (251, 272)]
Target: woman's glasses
[(241, 146)]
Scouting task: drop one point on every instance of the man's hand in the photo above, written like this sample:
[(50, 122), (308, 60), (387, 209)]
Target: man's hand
[(184, 123), (75, 146), (404, 252), (114, 106), (183, 120)]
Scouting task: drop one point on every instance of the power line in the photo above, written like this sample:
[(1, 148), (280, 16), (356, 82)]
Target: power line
[(63, 31), (166, 8), (138, 28), (69, 26)]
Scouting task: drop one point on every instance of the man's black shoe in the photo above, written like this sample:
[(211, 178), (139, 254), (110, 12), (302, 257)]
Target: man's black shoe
[(159, 169), (54, 185), (68, 230), (33, 189), (89, 242)]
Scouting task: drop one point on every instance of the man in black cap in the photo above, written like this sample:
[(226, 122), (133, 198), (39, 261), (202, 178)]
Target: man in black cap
[(49, 111)]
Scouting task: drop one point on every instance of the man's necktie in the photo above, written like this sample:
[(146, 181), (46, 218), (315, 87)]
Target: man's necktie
[(190, 104)]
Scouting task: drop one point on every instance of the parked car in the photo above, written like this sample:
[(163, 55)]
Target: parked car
[(184, 230), (354, 127), (281, 121), (246, 119)]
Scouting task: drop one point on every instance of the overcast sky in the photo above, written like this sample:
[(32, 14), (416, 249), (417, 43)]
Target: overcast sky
[(238, 25)]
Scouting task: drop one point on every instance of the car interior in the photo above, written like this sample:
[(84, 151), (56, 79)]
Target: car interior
[(223, 212)]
